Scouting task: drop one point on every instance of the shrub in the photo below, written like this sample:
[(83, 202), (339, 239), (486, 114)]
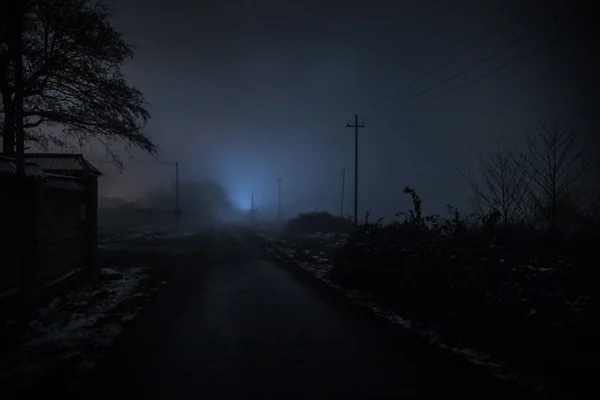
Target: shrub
[(312, 222), (512, 290)]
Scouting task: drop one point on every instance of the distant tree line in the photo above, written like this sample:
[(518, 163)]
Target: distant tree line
[(203, 201)]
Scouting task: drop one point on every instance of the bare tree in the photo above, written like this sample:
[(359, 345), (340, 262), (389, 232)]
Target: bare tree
[(554, 162), (501, 186), (72, 65)]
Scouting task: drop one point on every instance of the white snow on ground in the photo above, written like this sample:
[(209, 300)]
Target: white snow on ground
[(541, 269), (332, 239), (71, 328), (319, 266), (80, 326)]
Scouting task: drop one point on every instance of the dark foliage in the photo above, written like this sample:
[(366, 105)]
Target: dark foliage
[(312, 222), (72, 78), (512, 292)]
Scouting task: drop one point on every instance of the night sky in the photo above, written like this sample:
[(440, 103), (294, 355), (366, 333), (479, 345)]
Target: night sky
[(246, 91)]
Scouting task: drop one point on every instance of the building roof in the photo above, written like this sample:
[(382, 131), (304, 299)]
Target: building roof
[(63, 163), (8, 166), (54, 181)]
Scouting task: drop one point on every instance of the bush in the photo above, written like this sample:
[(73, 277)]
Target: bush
[(312, 222), (511, 292)]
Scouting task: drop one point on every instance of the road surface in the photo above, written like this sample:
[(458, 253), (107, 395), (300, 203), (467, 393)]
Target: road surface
[(230, 324)]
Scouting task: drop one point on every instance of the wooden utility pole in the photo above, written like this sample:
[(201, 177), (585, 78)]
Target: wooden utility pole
[(355, 126), (177, 209), (343, 183), (344, 172), (279, 197), (252, 206), (177, 185)]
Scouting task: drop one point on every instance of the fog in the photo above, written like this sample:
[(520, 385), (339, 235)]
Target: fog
[(242, 93)]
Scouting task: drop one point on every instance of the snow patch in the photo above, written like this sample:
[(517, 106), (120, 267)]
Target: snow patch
[(109, 272), (79, 325), (64, 328), (539, 269)]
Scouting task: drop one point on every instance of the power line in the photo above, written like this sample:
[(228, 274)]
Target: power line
[(452, 58), (389, 128), (483, 76), (482, 60)]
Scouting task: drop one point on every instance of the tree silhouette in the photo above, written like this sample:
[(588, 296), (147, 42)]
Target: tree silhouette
[(500, 187), (557, 167), (72, 59)]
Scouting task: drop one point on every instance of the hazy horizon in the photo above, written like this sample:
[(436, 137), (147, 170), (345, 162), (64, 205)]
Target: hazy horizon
[(245, 94)]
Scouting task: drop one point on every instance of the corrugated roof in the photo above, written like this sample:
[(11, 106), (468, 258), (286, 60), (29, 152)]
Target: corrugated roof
[(63, 163), (55, 181), (8, 166)]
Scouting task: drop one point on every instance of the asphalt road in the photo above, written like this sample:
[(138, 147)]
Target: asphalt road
[(230, 324)]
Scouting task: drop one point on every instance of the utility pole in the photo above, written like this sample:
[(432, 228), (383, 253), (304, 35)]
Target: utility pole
[(344, 172), (177, 209), (279, 197), (355, 126), (252, 206), (177, 185)]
